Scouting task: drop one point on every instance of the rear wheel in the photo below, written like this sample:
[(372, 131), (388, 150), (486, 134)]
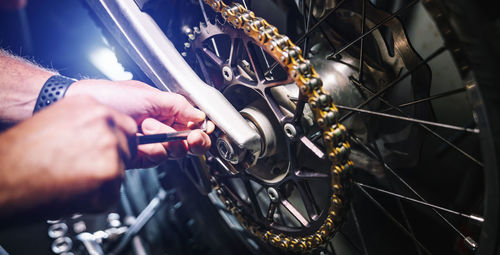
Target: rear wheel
[(421, 129), (421, 148)]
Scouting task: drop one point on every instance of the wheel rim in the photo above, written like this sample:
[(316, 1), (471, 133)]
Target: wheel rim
[(490, 170)]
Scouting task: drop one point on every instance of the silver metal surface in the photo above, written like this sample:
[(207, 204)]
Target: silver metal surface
[(311, 146), (227, 73), (161, 62), (90, 242), (79, 227), (113, 220), (265, 129), (471, 243), (61, 244), (269, 165), (290, 130), (226, 150), (273, 195), (57, 230)]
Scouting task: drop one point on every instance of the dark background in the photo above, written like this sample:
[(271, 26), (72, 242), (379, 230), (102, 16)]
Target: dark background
[(55, 33)]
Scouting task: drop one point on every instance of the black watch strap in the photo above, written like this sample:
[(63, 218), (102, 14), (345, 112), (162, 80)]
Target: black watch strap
[(53, 89)]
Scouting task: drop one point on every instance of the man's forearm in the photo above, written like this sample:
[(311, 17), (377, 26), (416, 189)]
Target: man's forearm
[(20, 84)]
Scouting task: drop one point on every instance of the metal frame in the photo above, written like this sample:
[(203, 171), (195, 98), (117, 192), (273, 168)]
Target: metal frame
[(153, 52)]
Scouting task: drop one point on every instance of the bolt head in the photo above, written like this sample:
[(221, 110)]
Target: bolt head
[(273, 194), (290, 130), (227, 73)]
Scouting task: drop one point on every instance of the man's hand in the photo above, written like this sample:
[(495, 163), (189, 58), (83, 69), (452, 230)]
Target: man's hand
[(154, 112), (68, 150), (73, 148)]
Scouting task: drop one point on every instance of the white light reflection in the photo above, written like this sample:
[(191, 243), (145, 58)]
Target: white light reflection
[(105, 61)]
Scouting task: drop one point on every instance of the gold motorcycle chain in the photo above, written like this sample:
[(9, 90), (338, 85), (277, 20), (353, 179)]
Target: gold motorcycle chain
[(326, 114)]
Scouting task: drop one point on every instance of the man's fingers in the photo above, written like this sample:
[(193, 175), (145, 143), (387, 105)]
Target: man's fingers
[(125, 123), (161, 151), (154, 153), (199, 142), (125, 129), (171, 106), (118, 124), (210, 127)]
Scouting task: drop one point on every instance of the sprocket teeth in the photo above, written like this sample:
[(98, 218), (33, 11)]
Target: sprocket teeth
[(289, 56)]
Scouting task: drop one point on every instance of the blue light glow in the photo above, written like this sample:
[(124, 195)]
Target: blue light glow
[(107, 63)]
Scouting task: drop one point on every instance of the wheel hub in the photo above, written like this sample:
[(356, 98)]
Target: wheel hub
[(287, 170)]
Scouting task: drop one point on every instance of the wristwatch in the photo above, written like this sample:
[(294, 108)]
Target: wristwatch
[(53, 89)]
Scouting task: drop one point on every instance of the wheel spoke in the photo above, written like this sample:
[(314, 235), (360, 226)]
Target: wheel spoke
[(454, 138), (299, 108), (407, 223), (330, 245), (350, 242), (213, 57), (303, 176), (294, 212), (470, 217), (431, 123), (234, 50), (388, 168), (398, 201), (304, 17), (467, 155), (256, 70), (320, 21), (395, 82), (453, 146), (204, 71), (358, 229), (327, 38), (202, 6), (383, 22), (264, 57), (361, 51), (390, 217), (244, 4), (306, 25), (313, 28), (216, 49), (440, 95)]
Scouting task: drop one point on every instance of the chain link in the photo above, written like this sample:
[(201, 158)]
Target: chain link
[(281, 48)]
